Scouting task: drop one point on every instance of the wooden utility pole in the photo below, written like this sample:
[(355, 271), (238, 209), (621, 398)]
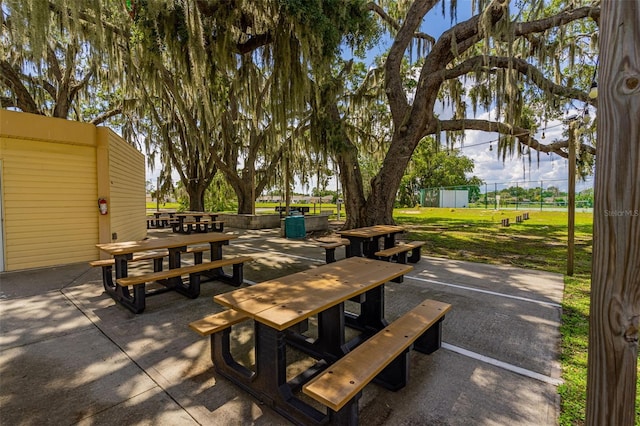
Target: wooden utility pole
[(571, 202), (615, 280), (158, 194)]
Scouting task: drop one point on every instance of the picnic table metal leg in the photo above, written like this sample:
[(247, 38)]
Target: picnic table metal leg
[(190, 289), (371, 318), (330, 344), (356, 246), (237, 276), (371, 246), (136, 302), (268, 383), (372, 310), (415, 255), (389, 240), (431, 340)]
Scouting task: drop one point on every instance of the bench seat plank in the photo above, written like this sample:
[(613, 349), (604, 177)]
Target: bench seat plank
[(404, 247), (330, 249), (342, 381), (176, 272), (217, 322), (336, 244)]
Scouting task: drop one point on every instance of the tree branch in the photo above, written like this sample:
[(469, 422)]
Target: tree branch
[(523, 135), (520, 65), (394, 24), (11, 78), (75, 88), (562, 18), (393, 83), (106, 115)]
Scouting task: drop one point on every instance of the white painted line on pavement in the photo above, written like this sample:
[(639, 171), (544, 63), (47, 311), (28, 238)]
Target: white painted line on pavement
[(493, 293), (503, 365)]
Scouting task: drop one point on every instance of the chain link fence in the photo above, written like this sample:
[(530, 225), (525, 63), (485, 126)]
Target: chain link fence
[(542, 195)]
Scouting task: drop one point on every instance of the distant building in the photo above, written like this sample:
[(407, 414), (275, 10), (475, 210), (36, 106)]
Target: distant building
[(454, 198)]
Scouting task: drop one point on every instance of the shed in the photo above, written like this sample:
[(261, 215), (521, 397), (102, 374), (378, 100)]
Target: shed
[(454, 198), (52, 174)]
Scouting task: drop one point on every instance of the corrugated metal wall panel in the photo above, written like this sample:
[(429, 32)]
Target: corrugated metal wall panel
[(50, 203), (128, 195)]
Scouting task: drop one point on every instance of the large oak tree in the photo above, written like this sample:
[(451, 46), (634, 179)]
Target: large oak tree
[(490, 51)]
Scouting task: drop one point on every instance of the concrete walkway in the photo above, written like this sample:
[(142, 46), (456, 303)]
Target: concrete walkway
[(70, 355)]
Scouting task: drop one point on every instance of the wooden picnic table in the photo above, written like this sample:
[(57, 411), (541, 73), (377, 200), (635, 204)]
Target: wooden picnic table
[(366, 241), (123, 253), (188, 222), (279, 308), (162, 218)]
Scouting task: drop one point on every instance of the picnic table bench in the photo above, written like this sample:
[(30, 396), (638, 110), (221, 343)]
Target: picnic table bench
[(399, 252), (191, 288), (330, 249), (382, 359)]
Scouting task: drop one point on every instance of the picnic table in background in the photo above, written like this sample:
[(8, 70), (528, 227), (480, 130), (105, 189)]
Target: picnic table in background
[(173, 247), (366, 241), (188, 222), (159, 219)]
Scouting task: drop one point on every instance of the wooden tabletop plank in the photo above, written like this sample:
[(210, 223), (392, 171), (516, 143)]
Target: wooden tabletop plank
[(371, 231), (126, 247), (284, 301)]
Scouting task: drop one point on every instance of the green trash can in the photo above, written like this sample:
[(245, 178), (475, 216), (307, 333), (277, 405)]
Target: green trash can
[(294, 227)]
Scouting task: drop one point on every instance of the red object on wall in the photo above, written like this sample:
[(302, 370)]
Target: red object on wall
[(102, 205)]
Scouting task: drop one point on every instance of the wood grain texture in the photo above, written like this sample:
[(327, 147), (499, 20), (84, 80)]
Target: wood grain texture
[(345, 378), (615, 295)]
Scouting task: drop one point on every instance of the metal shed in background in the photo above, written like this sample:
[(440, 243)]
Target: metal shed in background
[(438, 197)]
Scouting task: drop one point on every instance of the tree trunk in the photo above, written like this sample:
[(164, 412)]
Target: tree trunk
[(246, 196), (245, 203), (346, 155), (195, 191), (384, 186), (351, 180), (615, 279)]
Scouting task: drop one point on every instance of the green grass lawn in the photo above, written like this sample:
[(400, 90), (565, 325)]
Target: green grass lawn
[(538, 243), (163, 206)]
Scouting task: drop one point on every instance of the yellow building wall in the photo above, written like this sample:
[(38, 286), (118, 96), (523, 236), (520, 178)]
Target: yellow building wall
[(127, 194), (50, 190)]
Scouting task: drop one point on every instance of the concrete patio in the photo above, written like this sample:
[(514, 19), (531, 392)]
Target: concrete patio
[(70, 355)]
